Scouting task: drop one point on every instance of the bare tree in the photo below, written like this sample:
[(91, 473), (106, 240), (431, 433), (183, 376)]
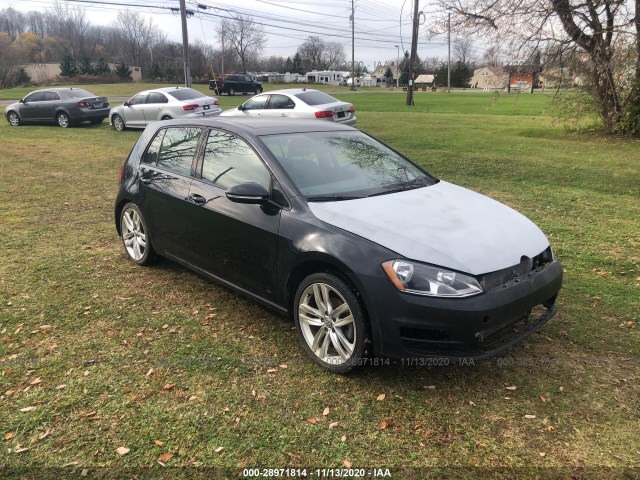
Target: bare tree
[(316, 54), (463, 50), (492, 56), (245, 37), (595, 28), (137, 35), (11, 22)]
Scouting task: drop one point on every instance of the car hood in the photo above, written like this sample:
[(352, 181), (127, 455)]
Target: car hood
[(442, 224), (13, 106)]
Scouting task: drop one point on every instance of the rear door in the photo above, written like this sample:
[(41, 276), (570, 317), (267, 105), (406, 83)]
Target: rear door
[(156, 102), (134, 111), (236, 242), (279, 106), (164, 182), (49, 105)]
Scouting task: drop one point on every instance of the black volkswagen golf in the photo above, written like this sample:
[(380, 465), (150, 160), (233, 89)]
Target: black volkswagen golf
[(369, 253)]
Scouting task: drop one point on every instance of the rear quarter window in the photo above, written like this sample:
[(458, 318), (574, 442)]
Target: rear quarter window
[(185, 94), (178, 149)]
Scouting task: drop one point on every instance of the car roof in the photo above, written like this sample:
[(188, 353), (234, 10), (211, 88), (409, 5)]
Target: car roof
[(58, 89), (167, 90), (294, 91), (262, 126)]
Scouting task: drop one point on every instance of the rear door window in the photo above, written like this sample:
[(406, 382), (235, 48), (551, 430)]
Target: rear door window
[(156, 97), (51, 96), (316, 98), (178, 149), (280, 102)]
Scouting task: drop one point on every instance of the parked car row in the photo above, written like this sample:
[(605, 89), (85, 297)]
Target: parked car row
[(70, 106)]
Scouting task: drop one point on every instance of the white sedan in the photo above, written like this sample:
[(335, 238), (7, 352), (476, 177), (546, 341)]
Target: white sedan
[(162, 104), (297, 103)]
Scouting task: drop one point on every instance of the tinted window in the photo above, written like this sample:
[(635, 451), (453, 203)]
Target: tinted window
[(76, 93), (229, 161), (49, 96), (138, 99), (178, 148), (316, 98), (256, 103), (157, 98), (151, 155), (281, 102), (186, 94), (343, 163), (35, 97)]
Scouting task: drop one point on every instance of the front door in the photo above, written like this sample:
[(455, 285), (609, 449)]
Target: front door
[(236, 242), (134, 111), (30, 108)]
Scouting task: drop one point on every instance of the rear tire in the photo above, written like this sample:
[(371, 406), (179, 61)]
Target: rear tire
[(63, 120), (231, 92), (331, 323), (135, 236), (166, 117), (258, 91), (118, 123), (14, 119)]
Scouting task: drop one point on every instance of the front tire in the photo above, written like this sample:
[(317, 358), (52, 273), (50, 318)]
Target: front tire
[(231, 92), (14, 119), (63, 120), (330, 322), (166, 117), (118, 123), (135, 236), (258, 91)]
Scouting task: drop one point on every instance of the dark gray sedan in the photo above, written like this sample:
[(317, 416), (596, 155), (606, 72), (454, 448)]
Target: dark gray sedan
[(64, 106)]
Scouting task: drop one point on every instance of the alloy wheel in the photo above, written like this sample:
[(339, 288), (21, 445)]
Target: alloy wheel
[(133, 234), (14, 120)]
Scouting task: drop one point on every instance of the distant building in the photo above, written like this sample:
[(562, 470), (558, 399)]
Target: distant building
[(424, 80), (45, 72), (381, 70), (326, 76), (489, 78)]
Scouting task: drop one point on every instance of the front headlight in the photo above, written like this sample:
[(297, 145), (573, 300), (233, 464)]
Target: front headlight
[(416, 278)]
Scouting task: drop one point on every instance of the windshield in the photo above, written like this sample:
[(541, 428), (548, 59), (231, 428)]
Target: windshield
[(341, 165), (316, 98), (76, 93), (185, 94)]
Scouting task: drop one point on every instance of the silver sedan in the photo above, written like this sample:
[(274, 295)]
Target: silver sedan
[(162, 104), (296, 103)]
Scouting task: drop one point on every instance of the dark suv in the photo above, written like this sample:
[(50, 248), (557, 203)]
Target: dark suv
[(232, 84)]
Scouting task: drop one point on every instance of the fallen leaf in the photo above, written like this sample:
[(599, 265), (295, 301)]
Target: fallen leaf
[(8, 436), (165, 457), (561, 389), (343, 438), (19, 449), (326, 411), (543, 399), (347, 464), (149, 372), (84, 472), (9, 392), (192, 398), (272, 370), (35, 382), (27, 409), (381, 397), (312, 420), (168, 387), (70, 464), (219, 449), (512, 388), (45, 434), (283, 365), (550, 428), (530, 416), (158, 442), (333, 424), (122, 450), (60, 387), (387, 422), (472, 403), (430, 387), (542, 454)]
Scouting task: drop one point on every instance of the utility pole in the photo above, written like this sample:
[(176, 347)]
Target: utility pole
[(398, 66), (414, 50), (353, 46), (449, 55), (222, 31), (185, 44)]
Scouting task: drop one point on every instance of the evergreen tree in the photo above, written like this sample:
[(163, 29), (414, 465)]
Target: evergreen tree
[(85, 67), (388, 75), (68, 65), (288, 65), (297, 64), (21, 77), (155, 71), (123, 71), (101, 67)]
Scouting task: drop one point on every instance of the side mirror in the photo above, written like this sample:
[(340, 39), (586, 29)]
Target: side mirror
[(241, 107), (249, 192), (22, 100), (125, 104)]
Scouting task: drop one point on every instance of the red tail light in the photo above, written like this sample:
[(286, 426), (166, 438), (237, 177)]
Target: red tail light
[(216, 102), (352, 109), (324, 114), (84, 104), (188, 108)]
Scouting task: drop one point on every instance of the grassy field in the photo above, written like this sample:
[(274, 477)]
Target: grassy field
[(97, 354)]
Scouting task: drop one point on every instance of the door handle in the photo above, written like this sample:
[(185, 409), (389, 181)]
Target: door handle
[(143, 179), (146, 181), (197, 199), (283, 114)]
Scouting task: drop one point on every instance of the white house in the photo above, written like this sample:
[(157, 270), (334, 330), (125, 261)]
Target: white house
[(325, 76), (489, 78)]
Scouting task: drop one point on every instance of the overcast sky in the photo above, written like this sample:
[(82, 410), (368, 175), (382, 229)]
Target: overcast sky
[(379, 24)]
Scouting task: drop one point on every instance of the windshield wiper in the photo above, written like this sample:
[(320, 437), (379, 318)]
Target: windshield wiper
[(410, 185), (332, 198)]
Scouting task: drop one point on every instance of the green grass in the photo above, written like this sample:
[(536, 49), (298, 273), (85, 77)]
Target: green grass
[(75, 312)]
